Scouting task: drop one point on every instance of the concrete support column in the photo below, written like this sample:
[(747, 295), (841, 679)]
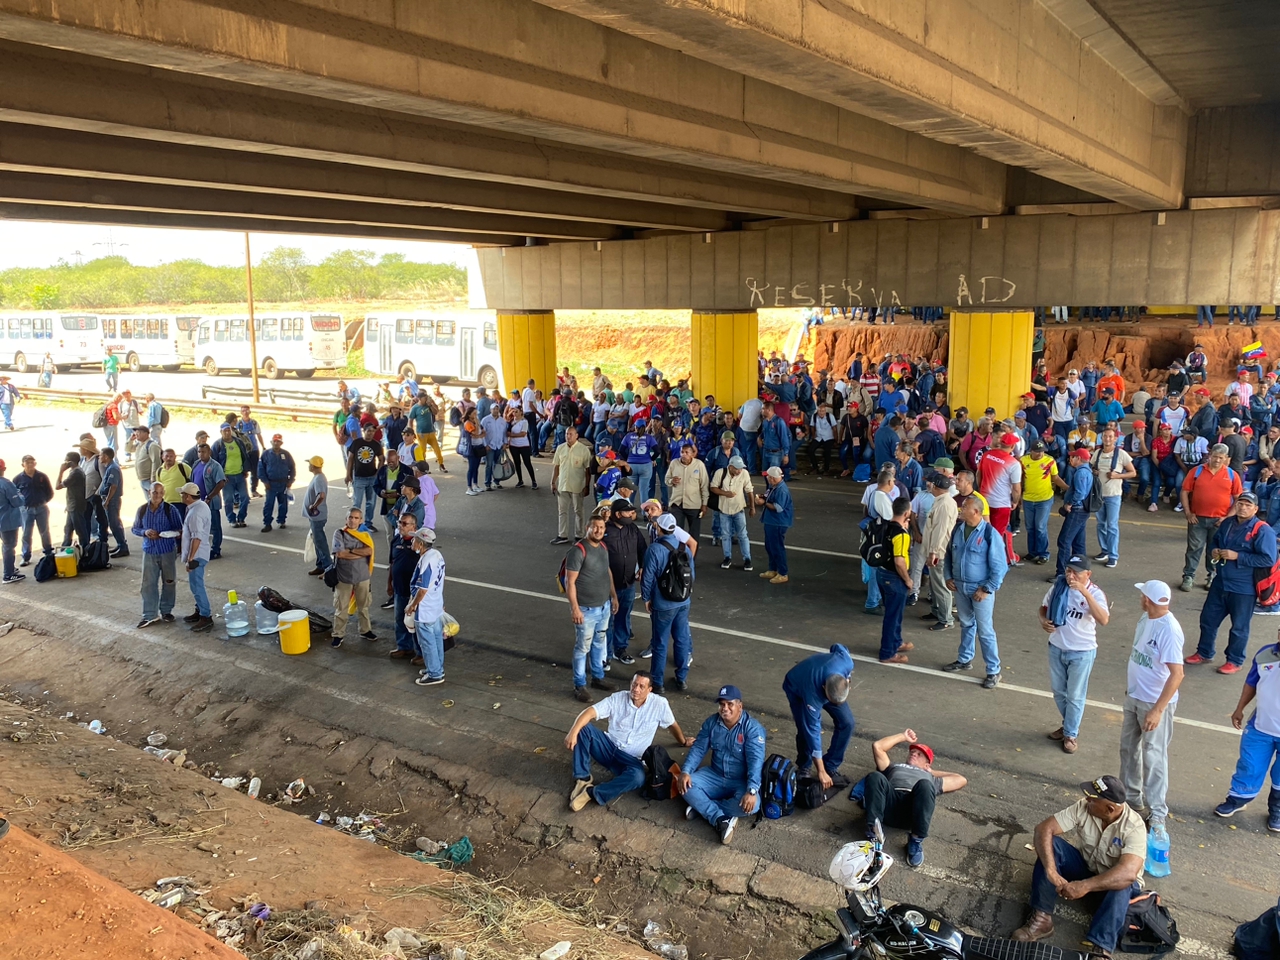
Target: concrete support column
[(989, 361), (527, 345), (723, 347)]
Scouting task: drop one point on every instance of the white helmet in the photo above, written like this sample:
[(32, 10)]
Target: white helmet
[(851, 863)]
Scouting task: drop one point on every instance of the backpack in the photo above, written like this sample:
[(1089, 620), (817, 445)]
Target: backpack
[(675, 583), (1095, 492), (810, 795), (566, 413), (1266, 580), (779, 788), (658, 773), (100, 417), (1148, 928), (164, 417), (875, 549), (1259, 939), (561, 579), (96, 556), (455, 416), (46, 568)]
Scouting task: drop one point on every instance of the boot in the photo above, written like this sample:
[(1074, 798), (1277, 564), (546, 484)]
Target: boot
[(1038, 926), (1273, 810)]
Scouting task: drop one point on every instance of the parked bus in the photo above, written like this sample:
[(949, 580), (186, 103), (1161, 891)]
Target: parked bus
[(165, 341), (445, 348), (301, 343), (72, 339)]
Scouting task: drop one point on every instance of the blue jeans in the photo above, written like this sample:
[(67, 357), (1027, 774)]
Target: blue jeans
[(670, 621), (775, 546), (975, 618), (1063, 428), (215, 528), (362, 496), (405, 639), (1217, 606), (706, 791), (1108, 918), (277, 497), (1109, 527), (894, 592), (113, 381), (490, 461), (109, 433), (620, 624), (1257, 752), (195, 581), (734, 526), (873, 586), (10, 550), (1069, 677), (772, 458), (37, 517), (841, 717), (1071, 538), (474, 460), (236, 495), (642, 476), (159, 591), (1145, 472), (589, 638), (750, 452), (1036, 519), (431, 645), (628, 771), (6, 409), (1204, 315), (322, 544)]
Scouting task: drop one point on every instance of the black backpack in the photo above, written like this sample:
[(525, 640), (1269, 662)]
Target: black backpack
[(778, 795), (164, 418), (455, 416), (46, 568), (675, 583), (566, 413), (100, 417), (1148, 928), (1259, 939), (809, 792), (657, 771), (875, 548), (96, 556)]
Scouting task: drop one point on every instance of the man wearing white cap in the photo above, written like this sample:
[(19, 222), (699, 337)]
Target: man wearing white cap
[(1151, 696), (195, 550)]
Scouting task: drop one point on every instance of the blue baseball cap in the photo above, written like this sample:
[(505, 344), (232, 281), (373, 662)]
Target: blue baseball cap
[(729, 692)]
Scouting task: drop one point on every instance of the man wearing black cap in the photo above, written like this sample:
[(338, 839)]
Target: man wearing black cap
[(627, 545), (737, 744), (1107, 858)]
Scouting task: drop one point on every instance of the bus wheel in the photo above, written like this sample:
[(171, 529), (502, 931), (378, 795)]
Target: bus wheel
[(270, 370), (408, 371), (20, 362), (305, 374), (488, 378), (210, 367), (133, 363), (246, 371), (171, 367)]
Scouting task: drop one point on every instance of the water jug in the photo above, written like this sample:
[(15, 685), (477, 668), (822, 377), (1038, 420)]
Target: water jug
[(1158, 851), (236, 613)]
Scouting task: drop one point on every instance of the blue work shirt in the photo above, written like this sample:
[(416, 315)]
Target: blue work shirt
[(737, 752), (10, 505), (1107, 411), (655, 561), (1079, 484), (113, 480), (977, 560), (36, 490), (393, 429), (777, 506), (807, 681), (774, 434), (277, 467), (1254, 541), (706, 437), (911, 476), (885, 447)]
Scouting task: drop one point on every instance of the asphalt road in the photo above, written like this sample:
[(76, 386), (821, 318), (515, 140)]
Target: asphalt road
[(517, 635)]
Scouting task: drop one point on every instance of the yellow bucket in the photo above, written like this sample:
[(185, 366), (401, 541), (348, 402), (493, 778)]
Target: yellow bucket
[(66, 564), (295, 631)]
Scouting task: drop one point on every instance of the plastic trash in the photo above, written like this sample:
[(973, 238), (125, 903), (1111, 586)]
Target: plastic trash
[(260, 911), (236, 614), (157, 740), (427, 845), (255, 787), (651, 930), (555, 952), (233, 782), (450, 626), (170, 899), (672, 951), (403, 937), (95, 726), (1158, 852), (295, 791), (175, 757)]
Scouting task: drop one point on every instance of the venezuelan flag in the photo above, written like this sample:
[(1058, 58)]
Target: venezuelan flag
[(1254, 351)]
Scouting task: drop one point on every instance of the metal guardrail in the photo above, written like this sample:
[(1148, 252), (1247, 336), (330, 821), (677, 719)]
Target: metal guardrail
[(229, 393), (274, 396)]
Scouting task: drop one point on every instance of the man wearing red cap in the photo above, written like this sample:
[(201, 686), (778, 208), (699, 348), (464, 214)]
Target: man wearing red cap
[(1075, 509), (1000, 482), (904, 794)]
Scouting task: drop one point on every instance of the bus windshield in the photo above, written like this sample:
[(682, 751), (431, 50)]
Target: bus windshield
[(187, 323), (79, 323), (326, 324)]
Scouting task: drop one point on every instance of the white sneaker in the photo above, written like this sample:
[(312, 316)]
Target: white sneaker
[(472, 491)]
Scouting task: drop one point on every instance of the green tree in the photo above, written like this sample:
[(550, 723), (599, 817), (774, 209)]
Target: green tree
[(283, 274), (348, 275), (45, 296)]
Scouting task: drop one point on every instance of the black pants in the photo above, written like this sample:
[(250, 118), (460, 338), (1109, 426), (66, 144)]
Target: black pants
[(252, 468), (911, 811), (689, 519), (531, 419), (826, 448), (518, 454), (78, 524)]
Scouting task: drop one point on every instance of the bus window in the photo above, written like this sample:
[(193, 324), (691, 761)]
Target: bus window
[(445, 330), (79, 323), (26, 328), (269, 329), (236, 333), (153, 328), (109, 327), (404, 331), (44, 328), (326, 323), (187, 324), (126, 329), (490, 335), (15, 327), (292, 328), (202, 333), (220, 330), (370, 330), (424, 334)]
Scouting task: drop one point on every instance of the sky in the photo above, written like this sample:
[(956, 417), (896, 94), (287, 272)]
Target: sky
[(36, 244)]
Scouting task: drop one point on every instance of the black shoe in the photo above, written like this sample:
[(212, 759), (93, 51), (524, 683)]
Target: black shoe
[(266, 529), (26, 562), (203, 624), (119, 552), (168, 617), (659, 689), (682, 685), (601, 685), (580, 694), (725, 564), (955, 665), (747, 566), (912, 599), (559, 540), (990, 682), (369, 635), (280, 524), (335, 641), (191, 617), (625, 658), (389, 605), (144, 623), (929, 616), (535, 486), (941, 625), (15, 578), (317, 572)]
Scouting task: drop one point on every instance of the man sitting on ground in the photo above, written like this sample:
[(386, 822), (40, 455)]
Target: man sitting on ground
[(634, 716), (904, 794), (1108, 857), (737, 744)]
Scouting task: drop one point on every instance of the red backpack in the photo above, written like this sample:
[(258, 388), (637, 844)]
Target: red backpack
[(1266, 580)]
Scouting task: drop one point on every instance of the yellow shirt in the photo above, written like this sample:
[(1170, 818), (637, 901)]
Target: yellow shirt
[(1088, 438), (901, 543), (1037, 478), (574, 462), (173, 479)]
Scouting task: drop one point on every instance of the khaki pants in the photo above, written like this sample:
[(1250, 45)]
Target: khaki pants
[(342, 594), (574, 511), (429, 440)]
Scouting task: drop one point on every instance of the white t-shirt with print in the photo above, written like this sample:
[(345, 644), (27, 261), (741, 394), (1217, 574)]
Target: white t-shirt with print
[(1080, 632), (1156, 644), (881, 505), (631, 727)]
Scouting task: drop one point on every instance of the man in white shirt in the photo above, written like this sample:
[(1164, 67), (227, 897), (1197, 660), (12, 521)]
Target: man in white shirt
[(750, 415), (1260, 742), (1151, 695), (1073, 646), (529, 407), (634, 717)]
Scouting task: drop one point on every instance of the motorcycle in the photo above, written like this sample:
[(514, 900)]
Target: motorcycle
[(869, 931)]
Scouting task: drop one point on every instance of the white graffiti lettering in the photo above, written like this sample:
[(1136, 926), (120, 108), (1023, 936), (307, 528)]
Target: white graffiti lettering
[(824, 298), (757, 291), (779, 296), (800, 298), (962, 293), (853, 293), (997, 285)]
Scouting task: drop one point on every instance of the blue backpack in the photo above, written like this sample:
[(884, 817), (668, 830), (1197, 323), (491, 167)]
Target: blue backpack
[(779, 795)]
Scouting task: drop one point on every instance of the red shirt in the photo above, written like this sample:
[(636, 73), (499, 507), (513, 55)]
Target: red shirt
[(1211, 494)]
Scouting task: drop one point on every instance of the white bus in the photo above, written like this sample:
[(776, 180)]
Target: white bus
[(301, 343), (72, 339), (445, 348), (166, 341)]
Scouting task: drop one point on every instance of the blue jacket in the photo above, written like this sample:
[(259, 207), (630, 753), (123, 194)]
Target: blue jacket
[(777, 507), (774, 434), (10, 505), (706, 437), (1108, 411), (978, 561), (1255, 543), (885, 447), (719, 459), (218, 450), (380, 486), (911, 476), (277, 467), (931, 445), (403, 562), (36, 490), (1081, 482), (807, 679), (737, 752), (655, 561)]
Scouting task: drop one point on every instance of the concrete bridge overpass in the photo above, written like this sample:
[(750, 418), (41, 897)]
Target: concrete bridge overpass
[(718, 155)]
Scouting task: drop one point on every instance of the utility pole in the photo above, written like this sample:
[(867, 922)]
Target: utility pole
[(253, 328)]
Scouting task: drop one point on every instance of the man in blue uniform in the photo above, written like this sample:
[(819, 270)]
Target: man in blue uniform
[(737, 744), (815, 684)]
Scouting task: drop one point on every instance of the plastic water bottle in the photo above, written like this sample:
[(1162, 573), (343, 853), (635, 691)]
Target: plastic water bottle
[(236, 613), (1158, 851)]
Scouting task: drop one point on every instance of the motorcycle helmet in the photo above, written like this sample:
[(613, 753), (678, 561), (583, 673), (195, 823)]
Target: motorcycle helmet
[(851, 863)]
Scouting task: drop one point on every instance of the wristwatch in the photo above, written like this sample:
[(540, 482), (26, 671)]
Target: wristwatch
[(752, 791)]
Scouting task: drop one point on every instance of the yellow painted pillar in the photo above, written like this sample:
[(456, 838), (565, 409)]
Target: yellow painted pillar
[(989, 361), (723, 347), (527, 345)]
